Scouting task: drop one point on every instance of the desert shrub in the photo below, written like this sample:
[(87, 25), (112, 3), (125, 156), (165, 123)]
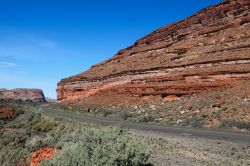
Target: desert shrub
[(106, 112), (13, 151), (25, 120), (13, 156), (233, 123), (34, 142), (147, 119), (99, 147), (192, 122), (43, 126), (124, 115), (37, 142), (2, 122), (19, 112), (14, 144)]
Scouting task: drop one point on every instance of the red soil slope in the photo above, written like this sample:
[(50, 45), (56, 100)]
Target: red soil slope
[(6, 113)]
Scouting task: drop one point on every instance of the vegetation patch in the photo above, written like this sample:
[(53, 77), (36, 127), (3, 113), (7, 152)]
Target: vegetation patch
[(80, 144), (237, 124), (90, 146)]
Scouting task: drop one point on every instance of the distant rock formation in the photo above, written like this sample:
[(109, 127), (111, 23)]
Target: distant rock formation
[(205, 52), (35, 95)]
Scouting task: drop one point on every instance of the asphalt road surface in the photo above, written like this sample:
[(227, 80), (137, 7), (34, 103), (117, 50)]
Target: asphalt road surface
[(149, 127)]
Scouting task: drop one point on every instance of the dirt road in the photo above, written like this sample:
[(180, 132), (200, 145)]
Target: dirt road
[(150, 127)]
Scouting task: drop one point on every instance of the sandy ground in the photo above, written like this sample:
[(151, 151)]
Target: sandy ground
[(188, 150)]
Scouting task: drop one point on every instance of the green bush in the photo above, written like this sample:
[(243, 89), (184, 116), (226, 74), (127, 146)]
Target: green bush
[(147, 119), (124, 115), (97, 147), (44, 126), (13, 156), (106, 112), (192, 122)]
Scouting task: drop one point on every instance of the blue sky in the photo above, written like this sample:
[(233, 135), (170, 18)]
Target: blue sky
[(43, 41)]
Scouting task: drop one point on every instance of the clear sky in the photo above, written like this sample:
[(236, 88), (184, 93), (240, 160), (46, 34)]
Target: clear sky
[(43, 41)]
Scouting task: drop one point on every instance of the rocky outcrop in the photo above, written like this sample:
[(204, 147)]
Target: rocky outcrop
[(46, 153), (35, 95), (205, 52)]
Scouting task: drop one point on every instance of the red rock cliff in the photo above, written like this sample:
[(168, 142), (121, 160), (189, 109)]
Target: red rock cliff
[(207, 51)]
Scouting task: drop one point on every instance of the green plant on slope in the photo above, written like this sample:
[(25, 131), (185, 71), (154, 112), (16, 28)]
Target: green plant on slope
[(110, 147), (12, 155)]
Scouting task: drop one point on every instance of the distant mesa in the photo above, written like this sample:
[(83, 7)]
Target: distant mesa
[(35, 95), (207, 52)]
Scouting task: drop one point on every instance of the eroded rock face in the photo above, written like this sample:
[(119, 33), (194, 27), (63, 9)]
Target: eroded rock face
[(35, 95), (207, 51)]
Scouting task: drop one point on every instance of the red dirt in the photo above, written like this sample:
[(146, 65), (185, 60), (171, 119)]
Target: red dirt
[(7, 112), (46, 153), (8, 129), (171, 98)]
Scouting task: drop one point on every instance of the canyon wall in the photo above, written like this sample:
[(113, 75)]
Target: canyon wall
[(207, 51)]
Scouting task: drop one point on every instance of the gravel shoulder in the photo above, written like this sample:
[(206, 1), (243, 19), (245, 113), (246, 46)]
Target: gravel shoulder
[(168, 149)]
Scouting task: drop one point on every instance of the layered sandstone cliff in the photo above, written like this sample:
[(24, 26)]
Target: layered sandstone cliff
[(207, 51), (35, 95)]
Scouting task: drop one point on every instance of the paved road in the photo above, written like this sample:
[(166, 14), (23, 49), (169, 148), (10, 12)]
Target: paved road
[(220, 135)]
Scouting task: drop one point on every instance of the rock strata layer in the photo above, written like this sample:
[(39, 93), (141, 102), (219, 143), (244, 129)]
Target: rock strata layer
[(207, 51), (35, 95)]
